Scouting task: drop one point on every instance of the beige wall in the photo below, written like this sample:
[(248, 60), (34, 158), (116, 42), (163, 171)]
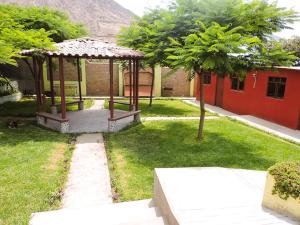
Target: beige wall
[(176, 84), (97, 79)]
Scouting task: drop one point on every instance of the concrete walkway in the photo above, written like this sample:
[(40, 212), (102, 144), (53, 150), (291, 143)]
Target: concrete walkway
[(168, 118), (88, 182), (267, 126)]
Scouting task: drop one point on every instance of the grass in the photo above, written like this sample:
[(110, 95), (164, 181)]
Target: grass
[(33, 167), (27, 107), (163, 108), (134, 153)]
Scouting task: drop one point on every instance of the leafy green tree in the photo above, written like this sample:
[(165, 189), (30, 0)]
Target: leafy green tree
[(221, 36), (32, 27), (292, 44)]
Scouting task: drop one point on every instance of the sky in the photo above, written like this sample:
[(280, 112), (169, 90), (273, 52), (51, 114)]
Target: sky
[(139, 7)]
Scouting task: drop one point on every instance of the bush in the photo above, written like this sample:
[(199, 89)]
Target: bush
[(287, 179), (5, 87)]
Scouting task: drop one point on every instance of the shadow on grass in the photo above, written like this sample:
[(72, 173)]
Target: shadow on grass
[(163, 108), (173, 144)]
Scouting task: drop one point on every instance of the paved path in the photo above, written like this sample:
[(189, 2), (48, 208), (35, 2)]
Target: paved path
[(267, 126), (159, 118), (88, 182)]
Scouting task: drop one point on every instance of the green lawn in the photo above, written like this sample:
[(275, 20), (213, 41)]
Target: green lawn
[(135, 152), (27, 107), (163, 108), (33, 167)]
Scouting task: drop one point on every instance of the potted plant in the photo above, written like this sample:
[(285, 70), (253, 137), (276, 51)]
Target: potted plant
[(282, 189)]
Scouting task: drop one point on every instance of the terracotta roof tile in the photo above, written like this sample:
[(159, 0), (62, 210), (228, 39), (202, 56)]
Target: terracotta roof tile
[(89, 48)]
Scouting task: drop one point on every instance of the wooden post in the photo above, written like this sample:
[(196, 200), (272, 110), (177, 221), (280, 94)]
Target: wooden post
[(133, 82), (111, 88), (79, 78), (137, 85), (41, 81), (36, 79), (51, 81), (130, 83), (62, 88)]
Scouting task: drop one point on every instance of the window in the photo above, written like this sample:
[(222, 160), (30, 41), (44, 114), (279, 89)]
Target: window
[(207, 78), (237, 84), (276, 87)]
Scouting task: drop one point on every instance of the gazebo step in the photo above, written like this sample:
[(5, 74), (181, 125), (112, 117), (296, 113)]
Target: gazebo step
[(50, 116)]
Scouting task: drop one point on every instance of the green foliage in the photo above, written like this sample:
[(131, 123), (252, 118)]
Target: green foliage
[(160, 29), (287, 179), (292, 44), (32, 27)]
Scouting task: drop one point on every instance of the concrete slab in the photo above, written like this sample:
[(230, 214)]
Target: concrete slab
[(214, 196), (92, 120), (88, 181), (129, 213), (267, 126)]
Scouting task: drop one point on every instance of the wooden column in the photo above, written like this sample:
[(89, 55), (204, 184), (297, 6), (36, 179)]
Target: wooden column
[(51, 81), (137, 85), (133, 83), (41, 81), (62, 88), (111, 88), (79, 78), (130, 83), (36, 79)]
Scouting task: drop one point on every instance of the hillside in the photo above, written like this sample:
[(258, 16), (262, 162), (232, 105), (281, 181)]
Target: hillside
[(103, 18)]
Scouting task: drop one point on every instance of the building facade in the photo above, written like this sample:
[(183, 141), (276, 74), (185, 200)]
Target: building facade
[(270, 95)]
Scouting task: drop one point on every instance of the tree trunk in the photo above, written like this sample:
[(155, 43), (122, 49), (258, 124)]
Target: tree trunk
[(202, 106)]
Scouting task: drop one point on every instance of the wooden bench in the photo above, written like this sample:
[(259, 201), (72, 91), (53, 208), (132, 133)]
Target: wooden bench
[(50, 116), (132, 113)]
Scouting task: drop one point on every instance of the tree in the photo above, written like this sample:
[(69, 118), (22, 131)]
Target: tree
[(221, 36), (32, 27), (292, 44)]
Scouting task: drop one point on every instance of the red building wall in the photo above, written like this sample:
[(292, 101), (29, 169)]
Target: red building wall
[(209, 91), (254, 101)]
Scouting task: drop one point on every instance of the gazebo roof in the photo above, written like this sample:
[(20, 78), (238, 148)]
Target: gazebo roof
[(89, 48)]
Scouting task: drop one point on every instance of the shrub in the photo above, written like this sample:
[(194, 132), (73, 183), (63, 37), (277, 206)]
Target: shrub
[(287, 179)]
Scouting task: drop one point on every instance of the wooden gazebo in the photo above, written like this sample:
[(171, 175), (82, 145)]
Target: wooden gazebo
[(87, 48)]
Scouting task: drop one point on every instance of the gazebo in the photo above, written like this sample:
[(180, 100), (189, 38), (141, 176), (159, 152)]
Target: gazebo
[(83, 48)]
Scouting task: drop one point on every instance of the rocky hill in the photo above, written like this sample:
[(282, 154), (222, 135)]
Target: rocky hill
[(103, 18)]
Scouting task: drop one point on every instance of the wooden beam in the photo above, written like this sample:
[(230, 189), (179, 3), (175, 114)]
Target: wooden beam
[(79, 78), (111, 88), (50, 65), (62, 88)]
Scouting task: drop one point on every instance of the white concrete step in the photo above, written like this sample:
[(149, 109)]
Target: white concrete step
[(214, 196), (137, 212)]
